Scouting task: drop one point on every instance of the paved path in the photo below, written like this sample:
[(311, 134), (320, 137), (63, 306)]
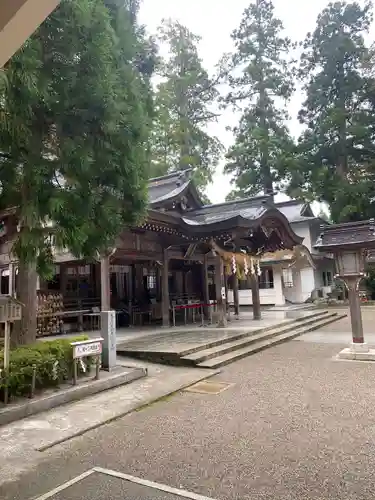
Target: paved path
[(21, 442), (296, 425)]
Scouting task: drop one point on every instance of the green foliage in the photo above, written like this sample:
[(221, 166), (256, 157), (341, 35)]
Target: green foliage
[(370, 280), (261, 78), (324, 216), (52, 359), (336, 150), (183, 109), (74, 129)]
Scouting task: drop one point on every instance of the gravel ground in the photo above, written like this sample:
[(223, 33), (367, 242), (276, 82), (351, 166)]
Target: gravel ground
[(297, 424)]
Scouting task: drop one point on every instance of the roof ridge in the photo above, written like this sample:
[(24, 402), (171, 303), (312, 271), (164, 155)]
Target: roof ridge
[(176, 173), (266, 197), (290, 202)]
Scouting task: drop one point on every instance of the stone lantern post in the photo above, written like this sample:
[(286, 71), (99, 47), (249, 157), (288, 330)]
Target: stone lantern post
[(349, 243), (350, 267)]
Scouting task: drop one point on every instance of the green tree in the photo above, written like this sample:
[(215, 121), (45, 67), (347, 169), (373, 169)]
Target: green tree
[(184, 108), (74, 129), (261, 82), (336, 148), (324, 216)]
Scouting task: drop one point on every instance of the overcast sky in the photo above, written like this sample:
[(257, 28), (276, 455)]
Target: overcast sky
[(214, 20)]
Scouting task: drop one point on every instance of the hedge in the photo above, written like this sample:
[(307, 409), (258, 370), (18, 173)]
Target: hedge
[(53, 361)]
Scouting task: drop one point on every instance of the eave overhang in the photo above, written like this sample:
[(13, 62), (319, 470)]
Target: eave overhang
[(347, 236)]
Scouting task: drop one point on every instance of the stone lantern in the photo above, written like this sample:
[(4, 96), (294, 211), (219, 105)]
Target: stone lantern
[(351, 269), (349, 243)]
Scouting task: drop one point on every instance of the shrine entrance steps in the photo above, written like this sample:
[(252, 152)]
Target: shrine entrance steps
[(215, 347)]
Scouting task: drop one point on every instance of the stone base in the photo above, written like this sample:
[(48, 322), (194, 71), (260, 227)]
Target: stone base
[(222, 323), (356, 347), (357, 352)]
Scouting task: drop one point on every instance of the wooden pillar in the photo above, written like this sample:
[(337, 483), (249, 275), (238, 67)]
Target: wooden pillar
[(165, 303), (12, 279), (221, 318), (139, 288), (235, 296), (255, 295), (206, 293), (226, 300), (105, 288)]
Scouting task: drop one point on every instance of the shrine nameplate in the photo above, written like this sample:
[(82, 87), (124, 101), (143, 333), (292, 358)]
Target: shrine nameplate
[(148, 245), (128, 241)]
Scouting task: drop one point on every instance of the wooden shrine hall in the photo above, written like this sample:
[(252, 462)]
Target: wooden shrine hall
[(176, 266)]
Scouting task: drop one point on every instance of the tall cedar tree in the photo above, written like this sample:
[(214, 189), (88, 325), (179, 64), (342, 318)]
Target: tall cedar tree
[(184, 104), (337, 146), (261, 83), (74, 129)]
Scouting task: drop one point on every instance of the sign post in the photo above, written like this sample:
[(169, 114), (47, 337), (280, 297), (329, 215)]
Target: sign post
[(108, 331), (91, 347), (10, 311), (6, 357)]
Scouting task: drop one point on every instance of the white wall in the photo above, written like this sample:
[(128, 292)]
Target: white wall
[(308, 282), (278, 286), (267, 297), (315, 231), (303, 229), (311, 279), (293, 293)]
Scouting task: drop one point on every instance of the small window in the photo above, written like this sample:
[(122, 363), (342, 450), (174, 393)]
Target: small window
[(266, 278), (327, 278), (151, 280), (287, 277)]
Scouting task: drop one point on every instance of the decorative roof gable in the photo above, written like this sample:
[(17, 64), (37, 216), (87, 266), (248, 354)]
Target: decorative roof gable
[(173, 192), (296, 210)]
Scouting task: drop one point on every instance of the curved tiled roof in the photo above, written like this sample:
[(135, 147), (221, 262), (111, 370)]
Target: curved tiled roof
[(167, 187), (248, 213), (248, 209)]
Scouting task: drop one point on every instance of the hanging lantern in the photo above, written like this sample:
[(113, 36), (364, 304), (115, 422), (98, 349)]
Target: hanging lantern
[(234, 264), (245, 267)]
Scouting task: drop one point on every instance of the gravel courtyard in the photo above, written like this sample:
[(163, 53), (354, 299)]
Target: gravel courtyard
[(296, 424)]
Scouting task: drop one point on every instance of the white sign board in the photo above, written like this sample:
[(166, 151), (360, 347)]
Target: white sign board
[(87, 348)]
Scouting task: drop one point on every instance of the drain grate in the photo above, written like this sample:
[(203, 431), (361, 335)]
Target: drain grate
[(208, 387)]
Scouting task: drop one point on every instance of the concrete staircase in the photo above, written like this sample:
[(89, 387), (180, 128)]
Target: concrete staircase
[(212, 347), (215, 356)]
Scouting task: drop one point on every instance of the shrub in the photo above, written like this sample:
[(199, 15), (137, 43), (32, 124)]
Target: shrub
[(53, 361)]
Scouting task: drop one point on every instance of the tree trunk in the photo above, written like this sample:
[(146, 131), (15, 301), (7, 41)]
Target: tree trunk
[(183, 104), (24, 331), (265, 170), (342, 160)]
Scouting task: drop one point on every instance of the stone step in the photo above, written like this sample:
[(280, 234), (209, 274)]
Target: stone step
[(208, 352), (158, 354), (245, 334), (253, 348)]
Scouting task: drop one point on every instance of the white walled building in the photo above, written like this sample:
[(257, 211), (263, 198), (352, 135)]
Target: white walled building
[(293, 278)]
